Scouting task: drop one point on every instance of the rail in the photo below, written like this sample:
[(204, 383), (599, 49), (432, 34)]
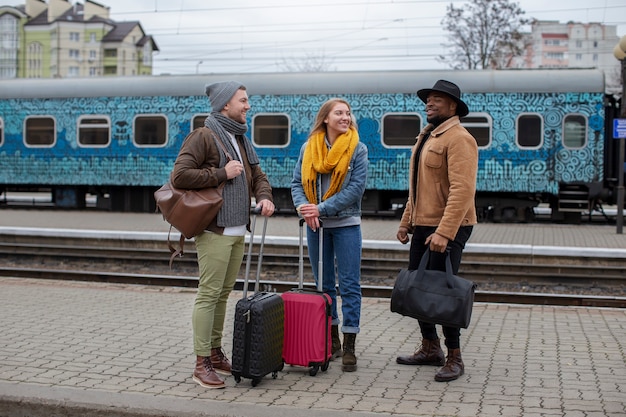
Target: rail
[(553, 282)]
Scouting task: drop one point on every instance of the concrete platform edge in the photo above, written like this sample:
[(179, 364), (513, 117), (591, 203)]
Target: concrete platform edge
[(32, 400), (492, 248)]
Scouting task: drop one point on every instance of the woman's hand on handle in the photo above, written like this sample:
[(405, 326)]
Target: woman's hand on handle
[(311, 215)]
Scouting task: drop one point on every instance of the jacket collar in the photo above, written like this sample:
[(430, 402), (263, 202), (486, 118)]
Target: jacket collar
[(439, 130)]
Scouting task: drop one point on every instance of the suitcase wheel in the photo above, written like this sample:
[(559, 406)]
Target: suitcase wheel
[(255, 382), (275, 374), (325, 366), (237, 378), (314, 369)]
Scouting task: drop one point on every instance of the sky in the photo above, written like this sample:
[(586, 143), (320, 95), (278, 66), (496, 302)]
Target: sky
[(246, 36)]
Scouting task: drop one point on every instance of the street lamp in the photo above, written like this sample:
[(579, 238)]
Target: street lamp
[(620, 53), (198, 66)]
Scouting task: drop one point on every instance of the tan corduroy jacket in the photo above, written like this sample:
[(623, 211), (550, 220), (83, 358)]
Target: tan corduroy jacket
[(443, 195)]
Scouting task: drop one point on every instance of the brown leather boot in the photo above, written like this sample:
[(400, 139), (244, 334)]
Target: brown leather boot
[(348, 362), (205, 375), (453, 369), (220, 362), (429, 353), (336, 346)]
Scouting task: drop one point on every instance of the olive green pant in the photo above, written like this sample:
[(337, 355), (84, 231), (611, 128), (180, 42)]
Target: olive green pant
[(219, 261)]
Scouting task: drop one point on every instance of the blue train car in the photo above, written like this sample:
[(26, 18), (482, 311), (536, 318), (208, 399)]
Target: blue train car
[(540, 133)]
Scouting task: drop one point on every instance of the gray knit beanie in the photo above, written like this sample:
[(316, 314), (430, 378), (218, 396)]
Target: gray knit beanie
[(221, 93)]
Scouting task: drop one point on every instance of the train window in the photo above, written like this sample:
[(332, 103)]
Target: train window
[(400, 129), (270, 130), (574, 131), (529, 131), (479, 125), (198, 121), (150, 130), (94, 131), (39, 131)]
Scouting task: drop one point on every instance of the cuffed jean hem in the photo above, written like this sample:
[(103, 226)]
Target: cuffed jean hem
[(346, 329)]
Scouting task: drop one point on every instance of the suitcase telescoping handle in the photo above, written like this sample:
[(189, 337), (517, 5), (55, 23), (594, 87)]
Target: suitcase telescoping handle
[(320, 262), (255, 212)]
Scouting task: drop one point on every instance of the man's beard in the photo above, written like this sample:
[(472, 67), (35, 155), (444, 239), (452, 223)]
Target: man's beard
[(436, 120)]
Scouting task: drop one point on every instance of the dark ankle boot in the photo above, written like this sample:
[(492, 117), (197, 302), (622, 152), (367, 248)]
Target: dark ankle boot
[(429, 353), (336, 346), (220, 362), (205, 375), (348, 362), (453, 369)]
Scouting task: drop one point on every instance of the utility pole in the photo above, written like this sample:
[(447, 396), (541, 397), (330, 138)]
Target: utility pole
[(620, 53)]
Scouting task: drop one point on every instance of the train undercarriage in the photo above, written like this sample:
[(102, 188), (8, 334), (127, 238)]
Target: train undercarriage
[(573, 203)]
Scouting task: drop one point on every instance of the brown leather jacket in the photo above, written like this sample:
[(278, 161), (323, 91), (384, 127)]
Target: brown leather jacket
[(197, 166), (443, 196)]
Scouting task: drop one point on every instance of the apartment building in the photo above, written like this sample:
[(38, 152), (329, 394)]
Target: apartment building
[(551, 44), (59, 39), (572, 45)]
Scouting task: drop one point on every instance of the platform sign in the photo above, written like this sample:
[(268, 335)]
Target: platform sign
[(619, 128)]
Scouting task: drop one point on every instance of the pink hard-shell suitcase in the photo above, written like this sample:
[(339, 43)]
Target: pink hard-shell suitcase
[(308, 319)]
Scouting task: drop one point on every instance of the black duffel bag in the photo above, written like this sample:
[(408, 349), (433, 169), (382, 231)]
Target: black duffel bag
[(433, 296)]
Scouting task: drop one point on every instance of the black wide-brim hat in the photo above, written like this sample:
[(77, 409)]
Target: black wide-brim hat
[(449, 89)]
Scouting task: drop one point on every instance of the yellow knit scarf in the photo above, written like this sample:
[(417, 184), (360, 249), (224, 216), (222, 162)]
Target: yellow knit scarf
[(318, 159)]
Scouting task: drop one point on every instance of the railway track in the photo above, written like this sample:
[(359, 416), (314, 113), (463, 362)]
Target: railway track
[(587, 300), (510, 279)]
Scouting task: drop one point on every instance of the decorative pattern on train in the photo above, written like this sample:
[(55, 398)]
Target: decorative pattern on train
[(503, 166)]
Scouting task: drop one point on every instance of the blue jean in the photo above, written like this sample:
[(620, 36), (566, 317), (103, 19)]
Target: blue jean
[(344, 269)]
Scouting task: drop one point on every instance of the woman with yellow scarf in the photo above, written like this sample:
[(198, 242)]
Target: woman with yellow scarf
[(328, 183)]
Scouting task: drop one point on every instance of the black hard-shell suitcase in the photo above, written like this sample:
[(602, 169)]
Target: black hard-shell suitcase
[(259, 326)]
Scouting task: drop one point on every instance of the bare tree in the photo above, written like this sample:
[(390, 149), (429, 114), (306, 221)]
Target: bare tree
[(484, 34), (311, 62)]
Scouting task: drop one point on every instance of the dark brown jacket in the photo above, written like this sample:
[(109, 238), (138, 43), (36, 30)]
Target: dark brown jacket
[(197, 166)]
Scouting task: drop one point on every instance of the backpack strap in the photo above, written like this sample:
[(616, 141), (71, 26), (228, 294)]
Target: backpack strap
[(221, 144), (175, 252)]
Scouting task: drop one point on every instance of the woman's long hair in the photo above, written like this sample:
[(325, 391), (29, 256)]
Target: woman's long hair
[(324, 111)]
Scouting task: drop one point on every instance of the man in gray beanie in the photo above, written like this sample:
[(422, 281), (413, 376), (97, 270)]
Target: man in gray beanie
[(219, 152), (221, 93)]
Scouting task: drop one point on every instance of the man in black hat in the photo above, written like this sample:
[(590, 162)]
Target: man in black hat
[(440, 211)]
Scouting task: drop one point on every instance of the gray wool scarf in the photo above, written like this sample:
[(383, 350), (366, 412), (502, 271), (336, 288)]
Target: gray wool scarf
[(235, 194)]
